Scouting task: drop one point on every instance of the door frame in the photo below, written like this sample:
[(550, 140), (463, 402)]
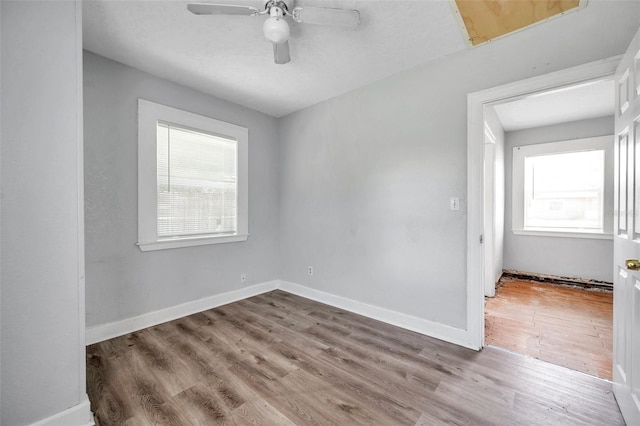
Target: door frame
[(476, 102)]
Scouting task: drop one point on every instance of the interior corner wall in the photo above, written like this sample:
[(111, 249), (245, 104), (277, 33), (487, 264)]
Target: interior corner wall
[(569, 257), (41, 244), (366, 178), (123, 282)]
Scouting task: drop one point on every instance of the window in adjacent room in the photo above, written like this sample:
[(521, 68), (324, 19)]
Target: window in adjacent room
[(192, 179), (564, 188)]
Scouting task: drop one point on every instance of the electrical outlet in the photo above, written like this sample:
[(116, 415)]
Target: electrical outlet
[(243, 278), (310, 270)]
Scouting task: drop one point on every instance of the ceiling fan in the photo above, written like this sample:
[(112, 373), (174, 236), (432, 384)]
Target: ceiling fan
[(276, 28)]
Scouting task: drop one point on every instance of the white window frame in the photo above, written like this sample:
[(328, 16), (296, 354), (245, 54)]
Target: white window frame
[(586, 144), (149, 114)]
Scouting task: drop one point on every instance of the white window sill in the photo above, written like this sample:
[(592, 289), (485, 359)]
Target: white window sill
[(564, 234), (190, 242)]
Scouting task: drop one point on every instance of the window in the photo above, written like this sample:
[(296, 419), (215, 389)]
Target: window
[(192, 179), (564, 188)]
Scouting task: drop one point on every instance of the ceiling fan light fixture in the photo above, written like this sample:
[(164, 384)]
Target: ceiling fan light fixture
[(275, 28)]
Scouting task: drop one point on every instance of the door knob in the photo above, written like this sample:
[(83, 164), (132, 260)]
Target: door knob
[(633, 264)]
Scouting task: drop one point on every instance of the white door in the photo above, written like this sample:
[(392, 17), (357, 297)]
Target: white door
[(626, 296), (488, 240)]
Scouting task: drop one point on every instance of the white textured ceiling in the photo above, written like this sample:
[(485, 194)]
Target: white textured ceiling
[(227, 56), (572, 103)]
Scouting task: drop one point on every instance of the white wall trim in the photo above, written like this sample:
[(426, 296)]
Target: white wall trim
[(419, 325), (583, 235), (78, 415), (119, 328), (408, 322), (476, 102)]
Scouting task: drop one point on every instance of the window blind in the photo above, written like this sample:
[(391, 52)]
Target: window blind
[(196, 183)]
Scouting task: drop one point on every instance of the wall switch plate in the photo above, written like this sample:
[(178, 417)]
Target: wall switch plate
[(454, 204)]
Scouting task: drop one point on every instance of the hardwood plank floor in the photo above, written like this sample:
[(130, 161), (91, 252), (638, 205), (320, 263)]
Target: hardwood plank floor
[(279, 359), (567, 326)]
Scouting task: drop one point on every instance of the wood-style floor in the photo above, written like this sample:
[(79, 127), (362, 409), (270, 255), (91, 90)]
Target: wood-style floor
[(567, 326), (278, 359)]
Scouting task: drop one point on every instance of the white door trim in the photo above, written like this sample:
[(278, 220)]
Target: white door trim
[(476, 101)]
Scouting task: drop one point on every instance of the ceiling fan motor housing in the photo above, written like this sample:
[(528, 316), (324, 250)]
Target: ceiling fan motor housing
[(285, 5)]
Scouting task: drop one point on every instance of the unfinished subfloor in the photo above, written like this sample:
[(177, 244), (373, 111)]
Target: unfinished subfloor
[(567, 326)]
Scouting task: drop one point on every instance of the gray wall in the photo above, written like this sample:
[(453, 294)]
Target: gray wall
[(122, 281), (43, 367), (366, 177), (571, 257)]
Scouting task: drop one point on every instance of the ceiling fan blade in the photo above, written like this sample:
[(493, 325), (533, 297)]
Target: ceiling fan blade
[(221, 9), (281, 53), (327, 16)]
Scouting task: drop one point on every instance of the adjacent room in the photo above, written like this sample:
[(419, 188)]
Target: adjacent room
[(288, 212), (549, 159)]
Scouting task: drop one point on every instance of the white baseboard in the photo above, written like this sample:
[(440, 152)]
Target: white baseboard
[(408, 322), (78, 415), (119, 328)]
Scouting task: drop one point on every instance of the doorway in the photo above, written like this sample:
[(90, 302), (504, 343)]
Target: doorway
[(553, 152), (479, 102)]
